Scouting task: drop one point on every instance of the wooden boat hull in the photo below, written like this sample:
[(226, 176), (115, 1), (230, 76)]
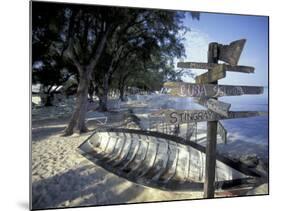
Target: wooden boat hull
[(159, 160)]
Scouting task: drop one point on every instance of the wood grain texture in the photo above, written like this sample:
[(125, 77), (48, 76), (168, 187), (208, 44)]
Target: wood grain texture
[(184, 116), (209, 90), (214, 105), (201, 65), (216, 73)]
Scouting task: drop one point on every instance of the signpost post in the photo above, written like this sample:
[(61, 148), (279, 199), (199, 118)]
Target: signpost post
[(210, 169), (207, 90)]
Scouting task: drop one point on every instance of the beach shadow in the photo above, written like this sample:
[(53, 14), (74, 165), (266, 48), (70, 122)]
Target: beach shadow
[(39, 134), (79, 187)]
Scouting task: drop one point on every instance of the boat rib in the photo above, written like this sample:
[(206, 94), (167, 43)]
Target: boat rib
[(124, 152)]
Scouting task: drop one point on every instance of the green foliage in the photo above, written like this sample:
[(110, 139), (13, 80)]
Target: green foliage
[(139, 51)]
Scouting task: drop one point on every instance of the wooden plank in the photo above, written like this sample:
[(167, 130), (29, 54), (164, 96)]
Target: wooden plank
[(222, 132), (201, 65), (218, 72), (240, 68), (219, 107), (184, 116), (196, 65), (209, 90)]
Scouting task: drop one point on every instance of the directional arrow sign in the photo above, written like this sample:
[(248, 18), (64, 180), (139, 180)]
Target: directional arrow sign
[(216, 106), (222, 132), (209, 90), (218, 72), (179, 117), (200, 65)]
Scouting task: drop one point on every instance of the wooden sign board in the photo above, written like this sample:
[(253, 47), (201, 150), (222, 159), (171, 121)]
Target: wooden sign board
[(231, 53), (200, 65), (222, 132), (180, 117), (218, 72), (209, 90), (240, 68), (216, 106)]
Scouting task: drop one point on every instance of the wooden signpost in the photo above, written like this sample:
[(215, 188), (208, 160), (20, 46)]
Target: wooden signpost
[(209, 90), (206, 90), (219, 107), (184, 116), (211, 145), (230, 68), (230, 53), (218, 72)]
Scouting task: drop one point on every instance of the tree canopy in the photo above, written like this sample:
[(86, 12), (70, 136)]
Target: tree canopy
[(105, 47)]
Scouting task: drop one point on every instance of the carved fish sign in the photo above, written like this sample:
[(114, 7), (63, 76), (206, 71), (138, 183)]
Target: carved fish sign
[(231, 53), (208, 90)]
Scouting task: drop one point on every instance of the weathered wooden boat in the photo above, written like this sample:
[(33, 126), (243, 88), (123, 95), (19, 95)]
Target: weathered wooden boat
[(161, 161)]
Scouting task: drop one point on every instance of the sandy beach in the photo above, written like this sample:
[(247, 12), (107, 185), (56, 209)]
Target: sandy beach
[(62, 177)]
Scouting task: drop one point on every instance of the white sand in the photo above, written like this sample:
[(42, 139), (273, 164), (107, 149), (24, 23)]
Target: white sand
[(62, 177)]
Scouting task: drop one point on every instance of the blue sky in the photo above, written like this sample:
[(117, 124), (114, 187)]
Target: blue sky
[(224, 28)]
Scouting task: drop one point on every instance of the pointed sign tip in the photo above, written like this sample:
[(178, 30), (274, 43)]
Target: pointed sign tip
[(231, 53)]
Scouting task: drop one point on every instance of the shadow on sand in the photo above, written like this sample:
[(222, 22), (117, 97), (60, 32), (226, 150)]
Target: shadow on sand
[(39, 134), (81, 187)]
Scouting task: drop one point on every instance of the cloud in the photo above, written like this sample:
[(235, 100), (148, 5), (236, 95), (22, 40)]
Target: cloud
[(196, 45), (196, 49)]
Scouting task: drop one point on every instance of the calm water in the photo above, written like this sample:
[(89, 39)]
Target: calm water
[(250, 130)]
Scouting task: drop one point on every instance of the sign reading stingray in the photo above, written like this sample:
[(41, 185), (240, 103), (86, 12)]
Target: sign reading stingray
[(182, 116), (209, 90)]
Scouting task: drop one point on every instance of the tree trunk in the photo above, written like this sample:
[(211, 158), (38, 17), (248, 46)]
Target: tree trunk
[(102, 102), (47, 96), (121, 90), (48, 99), (85, 73), (103, 95), (91, 91), (79, 114), (122, 86)]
